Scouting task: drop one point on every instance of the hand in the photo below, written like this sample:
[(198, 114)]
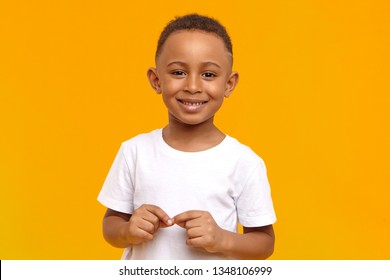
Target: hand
[(144, 223), (202, 230)]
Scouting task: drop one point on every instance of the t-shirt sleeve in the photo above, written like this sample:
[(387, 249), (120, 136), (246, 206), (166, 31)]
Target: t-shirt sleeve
[(117, 191), (254, 204)]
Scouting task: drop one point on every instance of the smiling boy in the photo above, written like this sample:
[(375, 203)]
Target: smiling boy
[(179, 192)]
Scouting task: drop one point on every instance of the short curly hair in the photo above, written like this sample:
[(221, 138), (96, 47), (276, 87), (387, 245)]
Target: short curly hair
[(194, 22)]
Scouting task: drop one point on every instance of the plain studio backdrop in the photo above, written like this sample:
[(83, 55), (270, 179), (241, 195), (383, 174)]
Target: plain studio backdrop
[(313, 102)]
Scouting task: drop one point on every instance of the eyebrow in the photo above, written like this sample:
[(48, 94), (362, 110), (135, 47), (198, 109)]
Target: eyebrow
[(207, 63)]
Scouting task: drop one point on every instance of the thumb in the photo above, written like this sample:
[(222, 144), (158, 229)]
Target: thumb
[(168, 223), (165, 220), (182, 218)]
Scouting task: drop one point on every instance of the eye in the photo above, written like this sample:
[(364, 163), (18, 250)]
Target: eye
[(209, 75), (178, 73)]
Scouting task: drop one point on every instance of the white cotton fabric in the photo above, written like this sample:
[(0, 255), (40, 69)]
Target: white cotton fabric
[(228, 180)]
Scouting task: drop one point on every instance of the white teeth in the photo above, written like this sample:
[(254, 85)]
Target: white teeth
[(192, 103)]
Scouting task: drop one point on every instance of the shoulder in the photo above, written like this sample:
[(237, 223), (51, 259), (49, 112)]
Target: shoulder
[(143, 139), (144, 143), (243, 152), (242, 159)]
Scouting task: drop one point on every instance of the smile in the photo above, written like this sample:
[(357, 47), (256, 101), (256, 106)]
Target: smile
[(192, 103), (188, 103)]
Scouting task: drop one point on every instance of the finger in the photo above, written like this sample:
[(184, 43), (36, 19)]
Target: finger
[(182, 218), (143, 235), (147, 226), (142, 216), (160, 214), (196, 242), (152, 219), (194, 232), (196, 222), (140, 231)]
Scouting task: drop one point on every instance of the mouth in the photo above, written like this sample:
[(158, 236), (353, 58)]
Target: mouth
[(191, 105), (194, 103)]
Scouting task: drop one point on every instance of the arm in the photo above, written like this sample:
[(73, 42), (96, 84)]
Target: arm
[(122, 230), (255, 243), (202, 231)]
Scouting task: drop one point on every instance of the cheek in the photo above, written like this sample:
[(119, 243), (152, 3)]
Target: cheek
[(170, 86), (217, 90)]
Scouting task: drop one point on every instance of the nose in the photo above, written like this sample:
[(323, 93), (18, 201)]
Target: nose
[(193, 84)]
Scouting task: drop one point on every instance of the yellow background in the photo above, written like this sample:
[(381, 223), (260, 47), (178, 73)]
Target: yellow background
[(313, 102)]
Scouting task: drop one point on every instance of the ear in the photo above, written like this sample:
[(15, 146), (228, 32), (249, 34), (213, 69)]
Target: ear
[(231, 83), (154, 79)]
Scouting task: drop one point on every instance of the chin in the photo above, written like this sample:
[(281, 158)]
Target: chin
[(194, 121), (191, 123)]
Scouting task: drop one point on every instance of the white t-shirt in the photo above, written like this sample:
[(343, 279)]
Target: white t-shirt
[(228, 180)]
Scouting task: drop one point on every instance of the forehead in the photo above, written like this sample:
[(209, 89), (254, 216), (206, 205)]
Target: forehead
[(194, 45)]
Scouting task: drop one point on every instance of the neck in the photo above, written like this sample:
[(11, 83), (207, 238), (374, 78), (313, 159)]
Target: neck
[(192, 138)]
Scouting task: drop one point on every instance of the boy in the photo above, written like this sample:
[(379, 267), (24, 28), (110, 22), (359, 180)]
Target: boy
[(177, 192)]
